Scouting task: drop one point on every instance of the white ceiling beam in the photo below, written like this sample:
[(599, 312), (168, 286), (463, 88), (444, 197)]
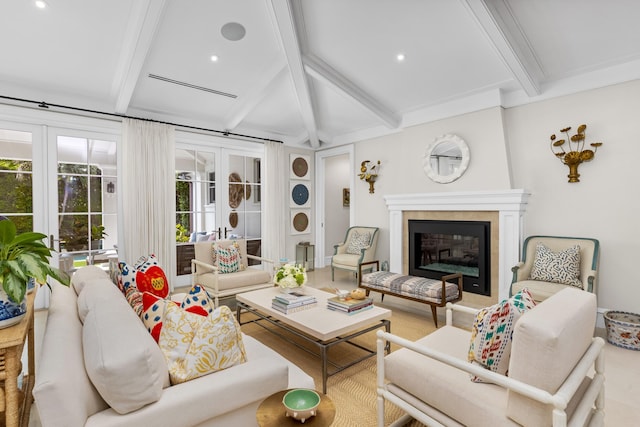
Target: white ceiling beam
[(501, 29), (143, 23), (286, 26), (253, 95), (323, 72)]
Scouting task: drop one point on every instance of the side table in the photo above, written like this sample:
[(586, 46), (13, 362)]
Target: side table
[(271, 412), (17, 402)]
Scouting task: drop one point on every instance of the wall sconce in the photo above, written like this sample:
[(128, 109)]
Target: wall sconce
[(369, 173), (576, 154), (111, 187)]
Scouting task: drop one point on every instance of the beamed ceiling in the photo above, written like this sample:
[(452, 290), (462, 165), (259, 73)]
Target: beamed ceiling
[(312, 73)]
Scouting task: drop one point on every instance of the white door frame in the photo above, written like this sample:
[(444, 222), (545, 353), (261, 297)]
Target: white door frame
[(320, 158)]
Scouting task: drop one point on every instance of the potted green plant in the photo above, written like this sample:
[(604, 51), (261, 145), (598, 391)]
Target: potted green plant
[(97, 234), (23, 257)]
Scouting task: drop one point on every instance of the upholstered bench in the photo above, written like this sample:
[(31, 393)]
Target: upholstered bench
[(420, 289)]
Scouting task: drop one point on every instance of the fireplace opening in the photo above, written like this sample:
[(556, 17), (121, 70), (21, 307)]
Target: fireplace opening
[(437, 248)]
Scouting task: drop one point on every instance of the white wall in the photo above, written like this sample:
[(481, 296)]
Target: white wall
[(336, 215), (401, 170), (605, 203), (510, 149)]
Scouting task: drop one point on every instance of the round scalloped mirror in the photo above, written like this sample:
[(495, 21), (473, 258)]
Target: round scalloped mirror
[(446, 159)]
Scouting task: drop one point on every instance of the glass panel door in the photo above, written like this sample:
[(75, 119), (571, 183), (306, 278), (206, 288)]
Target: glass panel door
[(84, 202), (16, 178), (218, 196), (195, 204), (244, 205)]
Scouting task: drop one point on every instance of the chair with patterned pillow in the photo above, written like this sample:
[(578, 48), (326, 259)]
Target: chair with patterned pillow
[(552, 263), (222, 268), (359, 246)]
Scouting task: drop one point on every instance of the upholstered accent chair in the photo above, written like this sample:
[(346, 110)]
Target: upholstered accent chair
[(555, 265), (555, 373), (359, 246), (208, 272)]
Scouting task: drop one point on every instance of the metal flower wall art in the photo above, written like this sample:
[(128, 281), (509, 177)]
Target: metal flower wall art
[(571, 151), (369, 173)]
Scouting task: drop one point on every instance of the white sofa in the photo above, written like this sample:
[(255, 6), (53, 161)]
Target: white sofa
[(108, 371)]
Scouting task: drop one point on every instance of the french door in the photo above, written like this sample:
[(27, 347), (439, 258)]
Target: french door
[(82, 197), (61, 183), (218, 196)]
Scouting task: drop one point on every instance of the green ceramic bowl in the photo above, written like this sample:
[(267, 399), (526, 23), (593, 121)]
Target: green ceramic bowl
[(301, 403)]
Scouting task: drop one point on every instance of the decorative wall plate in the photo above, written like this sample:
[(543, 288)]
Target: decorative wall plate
[(247, 191), (300, 222), (300, 197), (299, 166), (233, 219), (236, 191)]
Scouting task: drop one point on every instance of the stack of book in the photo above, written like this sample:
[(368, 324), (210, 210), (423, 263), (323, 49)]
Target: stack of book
[(293, 302), (349, 306)]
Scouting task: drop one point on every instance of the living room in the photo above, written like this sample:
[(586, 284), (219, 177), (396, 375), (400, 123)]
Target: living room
[(507, 132)]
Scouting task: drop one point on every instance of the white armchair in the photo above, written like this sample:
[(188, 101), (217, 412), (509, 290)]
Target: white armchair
[(542, 289), (551, 378), (207, 273), (359, 246)]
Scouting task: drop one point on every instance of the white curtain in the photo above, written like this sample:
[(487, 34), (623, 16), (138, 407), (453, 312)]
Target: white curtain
[(148, 164), (274, 196)]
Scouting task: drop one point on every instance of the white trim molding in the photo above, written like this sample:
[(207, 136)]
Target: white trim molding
[(510, 204)]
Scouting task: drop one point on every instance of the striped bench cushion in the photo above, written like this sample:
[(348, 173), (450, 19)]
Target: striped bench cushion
[(410, 286)]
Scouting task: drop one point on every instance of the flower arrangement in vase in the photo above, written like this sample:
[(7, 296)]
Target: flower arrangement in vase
[(290, 276)]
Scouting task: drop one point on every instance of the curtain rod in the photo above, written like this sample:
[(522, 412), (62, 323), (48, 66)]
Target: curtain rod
[(43, 104)]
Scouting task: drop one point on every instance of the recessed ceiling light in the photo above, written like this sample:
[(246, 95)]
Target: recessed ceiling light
[(214, 58), (41, 4), (400, 57), (233, 31)]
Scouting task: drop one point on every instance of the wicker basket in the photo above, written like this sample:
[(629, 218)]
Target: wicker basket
[(623, 329)]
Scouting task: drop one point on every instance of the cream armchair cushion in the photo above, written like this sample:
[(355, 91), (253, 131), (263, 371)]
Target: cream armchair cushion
[(359, 246), (542, 289)]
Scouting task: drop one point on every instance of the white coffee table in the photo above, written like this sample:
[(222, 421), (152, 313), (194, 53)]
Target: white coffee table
[(318, 325)]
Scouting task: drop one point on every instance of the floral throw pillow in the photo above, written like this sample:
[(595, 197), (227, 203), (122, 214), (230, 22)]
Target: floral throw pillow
[(492, 333), (557, 267), (195, 345), (358, 242)]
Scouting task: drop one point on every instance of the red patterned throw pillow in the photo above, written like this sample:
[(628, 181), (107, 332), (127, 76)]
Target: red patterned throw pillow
[(150, 277), (493, 330), (196, 301)]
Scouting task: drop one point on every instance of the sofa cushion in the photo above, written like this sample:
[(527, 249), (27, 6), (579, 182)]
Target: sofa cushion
[(357, 242), (86, 275), (492, 331), (250, 276), (547, 344), (557, 267), (195, 345), (55, 384), (445, 387), (539, 290), (122, 360)]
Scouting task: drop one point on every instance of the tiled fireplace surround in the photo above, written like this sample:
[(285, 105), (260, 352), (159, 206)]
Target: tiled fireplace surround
[(504, 209)]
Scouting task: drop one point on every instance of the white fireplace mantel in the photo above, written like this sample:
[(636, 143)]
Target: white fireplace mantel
[(510, 204)]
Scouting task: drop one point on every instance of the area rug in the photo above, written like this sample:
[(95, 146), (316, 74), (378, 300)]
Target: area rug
[(353, 391)]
